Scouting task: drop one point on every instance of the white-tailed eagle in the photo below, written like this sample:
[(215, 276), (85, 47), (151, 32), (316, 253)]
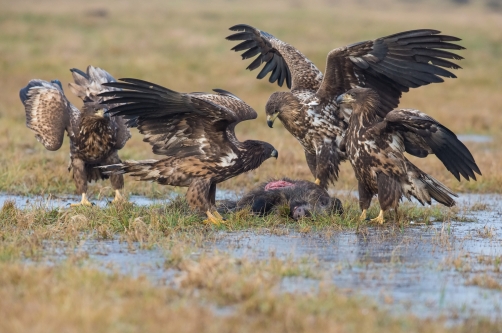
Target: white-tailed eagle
[(196, 133), (375, 148), (389, 65), (95, 138)]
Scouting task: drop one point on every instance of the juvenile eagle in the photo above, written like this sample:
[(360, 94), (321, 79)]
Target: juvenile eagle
[(196, 133), (390, 65), (376, 146), (95, 139)]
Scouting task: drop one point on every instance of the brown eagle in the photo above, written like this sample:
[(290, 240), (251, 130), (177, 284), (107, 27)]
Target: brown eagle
[(95, 138), (375, 147), (390, 65), (196, 133)]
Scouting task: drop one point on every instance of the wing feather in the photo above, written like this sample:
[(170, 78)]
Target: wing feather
[(283, 61), (432, 137), (48, 112), (180, 124), (390, 65), (88, 85)]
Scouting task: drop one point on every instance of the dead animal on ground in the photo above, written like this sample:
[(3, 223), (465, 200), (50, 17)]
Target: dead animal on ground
[(95, 138), (304, 199)]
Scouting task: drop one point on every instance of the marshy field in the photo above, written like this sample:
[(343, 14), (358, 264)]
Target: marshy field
[(151, 264)]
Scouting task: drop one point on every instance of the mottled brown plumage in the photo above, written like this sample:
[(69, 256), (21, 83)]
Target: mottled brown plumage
[(390, 65), (376, 147), (94, 138), (196, 133)]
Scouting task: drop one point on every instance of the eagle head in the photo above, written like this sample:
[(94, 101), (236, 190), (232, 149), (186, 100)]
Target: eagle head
[(277, 103), (359, 96), (257, 152)]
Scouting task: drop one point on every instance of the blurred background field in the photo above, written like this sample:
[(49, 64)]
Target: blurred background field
[(181, 45)]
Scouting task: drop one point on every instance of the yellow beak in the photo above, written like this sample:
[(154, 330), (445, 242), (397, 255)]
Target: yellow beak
[(271, 119)]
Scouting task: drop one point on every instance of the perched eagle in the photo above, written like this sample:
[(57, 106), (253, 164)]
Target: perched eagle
[(376, 146), (95, 138), (389, 65), (196, 133)]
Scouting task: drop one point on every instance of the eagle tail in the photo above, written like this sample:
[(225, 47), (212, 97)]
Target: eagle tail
[(428, 187), (143, 169)]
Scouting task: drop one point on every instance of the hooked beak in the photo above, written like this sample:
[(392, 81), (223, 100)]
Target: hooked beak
[(100, 113), (271, 119), (275, 154), (344, 99)]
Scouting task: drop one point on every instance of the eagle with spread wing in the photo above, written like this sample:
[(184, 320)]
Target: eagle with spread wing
[(95, 138), (196, 133), (389, 65), (376, 147)]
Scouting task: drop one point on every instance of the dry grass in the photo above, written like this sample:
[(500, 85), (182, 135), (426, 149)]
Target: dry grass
[(181, 45), (68, 298)]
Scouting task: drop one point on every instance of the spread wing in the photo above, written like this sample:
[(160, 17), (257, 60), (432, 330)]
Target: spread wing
[(423, 135), (390, 65), (284, 61), (180, 124), (88, 85), (48, 112)]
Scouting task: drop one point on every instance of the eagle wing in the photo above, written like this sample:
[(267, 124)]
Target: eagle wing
[(284, 61), (180, 124), (423, 135), (390, 65), (48, 112), (88, 85)]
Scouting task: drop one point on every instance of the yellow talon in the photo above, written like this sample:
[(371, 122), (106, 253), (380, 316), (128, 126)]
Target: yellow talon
[(317, 181), (118, 197), (83, 202), (363, 215), (379, 219), (214, 218)]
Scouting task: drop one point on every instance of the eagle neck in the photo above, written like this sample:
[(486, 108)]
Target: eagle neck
[(365, 114), (251, 154)]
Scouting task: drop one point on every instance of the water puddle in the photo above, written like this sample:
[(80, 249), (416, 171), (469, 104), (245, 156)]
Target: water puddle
[(64, 201), (444, 269)]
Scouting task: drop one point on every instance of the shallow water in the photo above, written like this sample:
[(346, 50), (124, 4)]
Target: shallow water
[(425, 270), (63, 201)]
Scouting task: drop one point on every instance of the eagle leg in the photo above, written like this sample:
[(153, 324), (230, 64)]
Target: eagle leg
[(363, 215), (83, 202), (317, 181), (214, 218), (379, 219)]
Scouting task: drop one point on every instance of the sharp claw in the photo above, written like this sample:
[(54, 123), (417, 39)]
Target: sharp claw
[(214, 218), (83, 202), (379, 219)]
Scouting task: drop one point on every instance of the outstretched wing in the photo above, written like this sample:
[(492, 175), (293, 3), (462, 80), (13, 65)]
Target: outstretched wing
[(48, 112), (88, 86), (390, 65), (423, 135), (284, 61), (179, 124)]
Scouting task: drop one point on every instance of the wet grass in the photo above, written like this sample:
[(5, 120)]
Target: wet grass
[(67, 297)]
